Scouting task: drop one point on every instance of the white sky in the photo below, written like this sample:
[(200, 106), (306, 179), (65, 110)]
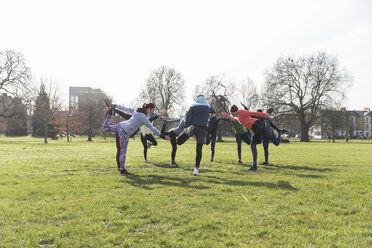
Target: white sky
[(114, 45)]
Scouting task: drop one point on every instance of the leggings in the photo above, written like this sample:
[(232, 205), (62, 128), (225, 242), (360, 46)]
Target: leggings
[(199, 147), (123, 139), (246, 137), (173, 141), (211, 138), (265, 142), (144, 139)]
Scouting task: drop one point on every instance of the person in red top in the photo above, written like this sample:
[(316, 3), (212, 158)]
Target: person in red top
[(245, 117)]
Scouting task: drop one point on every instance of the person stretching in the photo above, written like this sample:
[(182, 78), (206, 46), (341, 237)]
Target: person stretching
[(173, 134), (245, 118), (128, 127), (196, 124)]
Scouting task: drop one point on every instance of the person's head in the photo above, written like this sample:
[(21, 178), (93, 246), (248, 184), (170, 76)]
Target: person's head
[(233, 110), (149, 107), (212, 112), (259, 110)]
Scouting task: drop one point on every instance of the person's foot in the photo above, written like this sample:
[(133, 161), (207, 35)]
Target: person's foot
[(212, 160), (146, 161), (174, 164), (125, 172), (264, 163), (196, 172), (270, 111), (149, 144), (240, 162), (112, 109), (253, 168)]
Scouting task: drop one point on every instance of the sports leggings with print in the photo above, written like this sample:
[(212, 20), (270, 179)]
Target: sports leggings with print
[(123, 139)]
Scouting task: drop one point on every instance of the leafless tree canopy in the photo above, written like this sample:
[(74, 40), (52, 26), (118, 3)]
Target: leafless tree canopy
[(218, 90), (14, 76), (165, 88), (302, 85), (248, 94)]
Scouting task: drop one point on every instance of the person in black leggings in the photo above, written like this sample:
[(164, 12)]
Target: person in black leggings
[(173, 134)]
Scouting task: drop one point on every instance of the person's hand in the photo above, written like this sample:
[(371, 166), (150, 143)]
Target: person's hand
[(268, 116), (167, 138), (224, 114), (163, 112)]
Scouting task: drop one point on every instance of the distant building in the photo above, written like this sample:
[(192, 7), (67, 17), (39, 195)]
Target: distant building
[(358, 125), (76, 92)]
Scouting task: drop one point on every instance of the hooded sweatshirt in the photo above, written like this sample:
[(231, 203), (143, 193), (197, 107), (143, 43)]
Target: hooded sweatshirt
[(198, 113)]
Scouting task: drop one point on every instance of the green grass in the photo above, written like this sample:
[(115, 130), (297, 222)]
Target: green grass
[(62, 194)]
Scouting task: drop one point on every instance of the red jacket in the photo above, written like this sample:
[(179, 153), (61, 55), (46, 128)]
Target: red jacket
[(245, 117)]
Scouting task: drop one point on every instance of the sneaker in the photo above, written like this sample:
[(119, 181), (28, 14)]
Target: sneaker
[(125, 172), (112, 109), (264, 163), (196, 172), (240, 162), (146, 161), (173, 164), (253, 168), (211, 160), (270, 111)]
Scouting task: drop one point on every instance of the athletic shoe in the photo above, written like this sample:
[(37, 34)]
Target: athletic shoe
[(173, 164), (125, 172), (270, 111), (196, 172), (211, 160), (264, 163), (253, 168), (146, 161), (149, 144), (240, 162)]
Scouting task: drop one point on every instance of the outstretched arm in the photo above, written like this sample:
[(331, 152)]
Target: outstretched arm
[(120, 107), (230, 117)]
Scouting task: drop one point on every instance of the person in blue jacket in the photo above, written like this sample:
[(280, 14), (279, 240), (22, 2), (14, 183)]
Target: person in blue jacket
[(196, 124)]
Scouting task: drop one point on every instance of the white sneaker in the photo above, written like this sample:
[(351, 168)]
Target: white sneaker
[(196, 172), (146, 161)]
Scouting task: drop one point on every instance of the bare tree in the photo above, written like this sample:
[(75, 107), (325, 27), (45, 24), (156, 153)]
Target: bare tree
[(303, 85), (165, 87), (46, 101), (92, 106), (14, 76), (218, 90), (248, 94)]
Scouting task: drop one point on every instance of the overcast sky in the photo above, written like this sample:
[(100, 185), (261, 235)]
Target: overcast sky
[(114, 45)]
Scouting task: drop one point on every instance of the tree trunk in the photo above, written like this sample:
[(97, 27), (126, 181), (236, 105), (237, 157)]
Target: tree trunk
[(67, 134), (219, 135), (90, 135), (304, 130), (45, 132)]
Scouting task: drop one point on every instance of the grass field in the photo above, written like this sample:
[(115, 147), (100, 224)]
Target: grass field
[(62, 194)]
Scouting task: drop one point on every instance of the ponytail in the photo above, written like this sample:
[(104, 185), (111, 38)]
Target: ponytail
[(149, 105)]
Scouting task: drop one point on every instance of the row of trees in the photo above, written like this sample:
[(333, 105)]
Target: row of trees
[(21, 96), (306, 87), (300, 87)]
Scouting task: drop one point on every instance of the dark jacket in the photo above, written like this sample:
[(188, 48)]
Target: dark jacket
[(198, 113)]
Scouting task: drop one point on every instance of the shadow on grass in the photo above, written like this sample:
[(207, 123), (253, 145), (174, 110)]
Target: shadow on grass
[(294, 167), (146, 181)]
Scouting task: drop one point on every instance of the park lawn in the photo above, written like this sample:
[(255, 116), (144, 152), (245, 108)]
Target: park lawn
[(62, 194)]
